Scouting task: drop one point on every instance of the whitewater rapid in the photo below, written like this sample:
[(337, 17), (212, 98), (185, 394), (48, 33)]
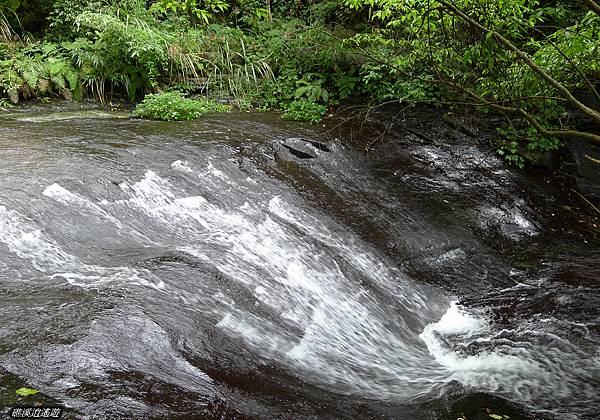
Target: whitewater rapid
[(299, 290)]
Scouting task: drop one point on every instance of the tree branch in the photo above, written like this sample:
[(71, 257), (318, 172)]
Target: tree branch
[(535, 123), (559, 133), (594, 115), (591, 159), (593, 5), (572, 63), (586, 200)]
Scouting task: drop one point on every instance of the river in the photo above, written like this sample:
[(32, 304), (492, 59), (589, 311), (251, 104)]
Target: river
[(241, 266)]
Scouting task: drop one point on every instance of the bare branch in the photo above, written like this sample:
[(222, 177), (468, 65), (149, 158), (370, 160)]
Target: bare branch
[(586, 200), (563, 134), (591, 159)]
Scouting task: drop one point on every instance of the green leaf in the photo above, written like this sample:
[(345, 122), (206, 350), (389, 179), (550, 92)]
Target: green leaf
[(26, 391), (302, 90), (59, 81), (73, 79), (495, 416)]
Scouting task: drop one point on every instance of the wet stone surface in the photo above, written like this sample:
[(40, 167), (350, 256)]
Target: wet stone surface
[(241, 266)]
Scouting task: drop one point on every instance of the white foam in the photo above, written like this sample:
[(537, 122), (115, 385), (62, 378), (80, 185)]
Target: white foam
[(28, 242), (183, 166), (64, 196), (458, 322), (293, 263)]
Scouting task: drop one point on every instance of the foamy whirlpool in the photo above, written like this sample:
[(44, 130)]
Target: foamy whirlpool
[(458, 324), (527, 364)]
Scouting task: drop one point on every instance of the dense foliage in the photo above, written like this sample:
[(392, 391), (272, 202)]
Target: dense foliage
[(173, 106), (304, 111), (535, 62)]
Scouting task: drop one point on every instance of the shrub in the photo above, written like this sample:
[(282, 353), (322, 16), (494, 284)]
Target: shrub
[(304, 111), (127, 53), (173, 106), (39, 70)]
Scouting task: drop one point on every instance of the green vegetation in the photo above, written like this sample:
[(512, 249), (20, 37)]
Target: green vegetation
[(173, 106), (24, 392), (529, 61), (304, 111), (532, 62)]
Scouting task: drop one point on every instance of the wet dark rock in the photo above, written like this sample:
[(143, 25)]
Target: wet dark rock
[(574, 306), (298, 153), (171, 259), (587, 98), (479, 406), (319, 145), (293, 149), (586, 170)]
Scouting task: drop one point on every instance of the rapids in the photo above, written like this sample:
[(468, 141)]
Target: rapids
[(152, 269)]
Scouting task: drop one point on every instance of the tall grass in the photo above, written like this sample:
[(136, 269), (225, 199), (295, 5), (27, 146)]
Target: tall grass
[(7, 33)]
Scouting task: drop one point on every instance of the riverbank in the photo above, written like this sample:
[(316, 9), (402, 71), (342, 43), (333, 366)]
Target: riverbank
[(308, 59)]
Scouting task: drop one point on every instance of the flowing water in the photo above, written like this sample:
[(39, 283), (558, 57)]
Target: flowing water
[(226, 268)]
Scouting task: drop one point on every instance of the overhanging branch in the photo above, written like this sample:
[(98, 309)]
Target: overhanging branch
[(594, 115), (593, 5), (562, 134)]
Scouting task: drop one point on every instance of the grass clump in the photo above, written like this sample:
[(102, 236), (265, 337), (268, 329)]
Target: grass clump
[(173, 106), (304, 110)]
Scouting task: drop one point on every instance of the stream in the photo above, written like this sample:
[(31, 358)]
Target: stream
[(241, 266)]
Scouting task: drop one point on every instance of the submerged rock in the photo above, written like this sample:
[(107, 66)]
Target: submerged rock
[(293, 149)]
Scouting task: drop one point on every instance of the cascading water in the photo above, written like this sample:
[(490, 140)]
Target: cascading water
[(194, 263)]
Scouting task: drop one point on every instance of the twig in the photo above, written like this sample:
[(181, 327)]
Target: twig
[(586, 200), (593, 5), (572, 63), (588, 157)]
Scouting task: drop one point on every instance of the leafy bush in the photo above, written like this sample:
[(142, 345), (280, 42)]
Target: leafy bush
[(197, 10), (304, 111), (39, 70), (173, 106), (127, 53)]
